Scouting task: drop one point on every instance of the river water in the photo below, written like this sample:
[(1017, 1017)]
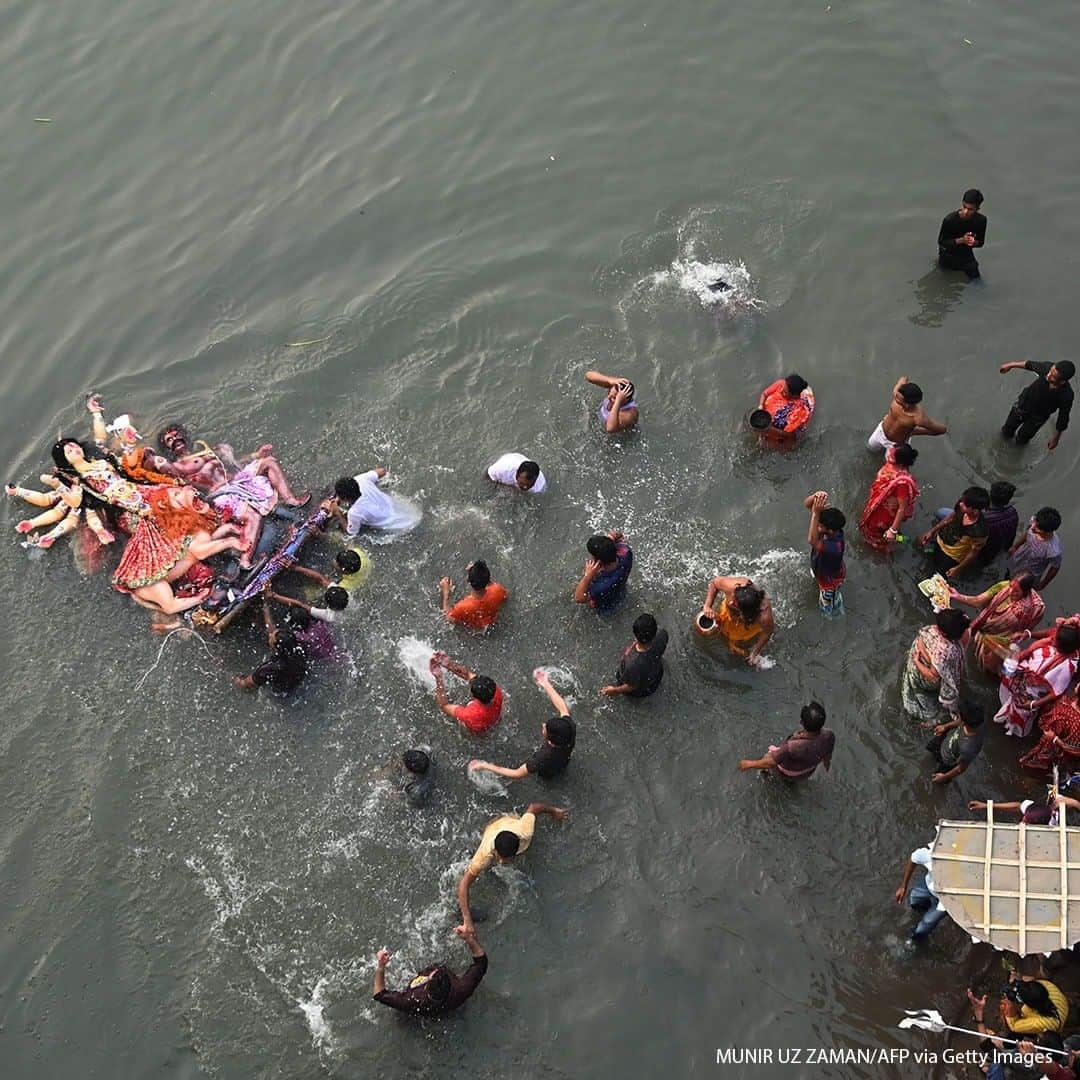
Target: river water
[(462, 208)]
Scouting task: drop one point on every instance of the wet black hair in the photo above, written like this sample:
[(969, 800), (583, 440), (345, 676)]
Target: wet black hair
[(438, 985), (560, 731), (479, 575), (507, 844), (89, 452), (629, 389), (347, 489), (911, 393), (1035, 996), (1026, 583), (1066, 369), (645, 628), (68, 472), (530, 470), (832, 518), (812, 716), (482, 688), (299, 618), (348, 561), (976, 498), (748, 599), (971, 713), (1067, 638), (952, 623), (905, 455), (1001, 493), (974, 197), (1048, 520), (336, 598), (795, 384), (416, 761), (601, 548)]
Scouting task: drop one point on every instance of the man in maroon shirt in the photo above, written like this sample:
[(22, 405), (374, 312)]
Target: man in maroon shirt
[(436, 990), (801, 753)]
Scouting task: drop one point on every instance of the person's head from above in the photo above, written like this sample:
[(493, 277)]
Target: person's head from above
[(287, 645), (1035, 996), (174, 440), (795, 385), (348, 561), (1047, 520), (1067, 639), (971, 714), (1061, 373), (528, 472), (559, 731), (1029, 967), (416, 761), (969, 205), (973, 500), (952, 623), (479, 575), (832, 520), (346, 490), (628, 391), (748, 601), (438, 986), (602, 548), (812, 717), (1023, 584), (1001, 493), (905, 455), (908, 395), (482, 688), (645, 628), (299, 619), (336, 598), (506, 844)]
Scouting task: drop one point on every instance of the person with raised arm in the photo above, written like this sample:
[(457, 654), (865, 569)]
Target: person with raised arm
[(619, 409)]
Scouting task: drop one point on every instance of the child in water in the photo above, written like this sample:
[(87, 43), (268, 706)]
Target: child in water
[(826, 540)]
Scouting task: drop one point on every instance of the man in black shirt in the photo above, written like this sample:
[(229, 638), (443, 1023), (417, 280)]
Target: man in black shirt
[(961, 231), (436, 990), (641, 667), (1038, 401), (284, 671), (560, 734)]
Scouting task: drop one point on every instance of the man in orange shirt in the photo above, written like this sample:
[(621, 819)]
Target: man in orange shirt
[(480, 607)]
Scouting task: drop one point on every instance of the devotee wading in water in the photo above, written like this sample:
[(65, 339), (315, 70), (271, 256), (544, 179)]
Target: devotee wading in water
[(905, 418), (1050, 393), (436, 990), (961, 232)]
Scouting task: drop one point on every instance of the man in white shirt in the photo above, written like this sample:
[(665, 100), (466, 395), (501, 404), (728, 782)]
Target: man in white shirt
[(360, 502), (516, 470), (923, 898)]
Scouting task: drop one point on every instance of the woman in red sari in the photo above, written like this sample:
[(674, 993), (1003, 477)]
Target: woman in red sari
[(891, 500), (1060, 741), (1008, 610)]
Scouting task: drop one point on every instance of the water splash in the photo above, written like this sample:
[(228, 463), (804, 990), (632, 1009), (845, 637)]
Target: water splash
[(715, 284), (414, 655)]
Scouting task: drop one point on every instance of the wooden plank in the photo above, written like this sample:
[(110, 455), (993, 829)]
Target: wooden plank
[(1063, 842), (986, 864), (949, 856), (1005, 894), (1021, 914)]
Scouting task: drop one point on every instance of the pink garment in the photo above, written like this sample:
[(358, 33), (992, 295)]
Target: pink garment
[(247, 487)]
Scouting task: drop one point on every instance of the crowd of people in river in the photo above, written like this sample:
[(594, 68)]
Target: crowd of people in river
[(178, 504)]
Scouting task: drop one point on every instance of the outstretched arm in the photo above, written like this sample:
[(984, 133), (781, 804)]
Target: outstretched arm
[(598, 378), (554, 696), (289, 601), (557, 812), (314, 575), (97, 419), (763, 763), (1012, 365), (768, 625), (463, 899), (499, 770)]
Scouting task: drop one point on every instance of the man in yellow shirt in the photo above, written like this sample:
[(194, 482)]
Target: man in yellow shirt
[(503, 839)]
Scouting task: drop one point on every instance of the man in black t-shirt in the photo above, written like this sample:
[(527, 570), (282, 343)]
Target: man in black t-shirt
[(436, 990), (642, 666), (560, 734), (284, 671), (960, 232), (1050, 393)]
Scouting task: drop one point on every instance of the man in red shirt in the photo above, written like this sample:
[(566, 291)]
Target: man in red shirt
[(485, 708)]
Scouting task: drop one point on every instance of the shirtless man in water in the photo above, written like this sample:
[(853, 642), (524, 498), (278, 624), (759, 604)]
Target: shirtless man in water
[(904, 418)]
